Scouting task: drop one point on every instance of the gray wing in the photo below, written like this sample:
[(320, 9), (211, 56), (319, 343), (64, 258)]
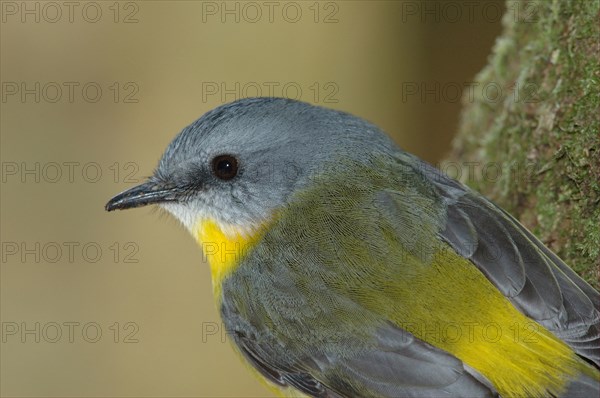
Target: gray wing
[(260, 353), (399, 366), (533, 278)]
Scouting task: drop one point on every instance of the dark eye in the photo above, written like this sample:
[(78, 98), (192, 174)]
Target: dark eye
[(225, 167)]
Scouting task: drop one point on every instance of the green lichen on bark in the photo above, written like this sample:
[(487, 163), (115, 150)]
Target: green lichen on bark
[(532, 127)]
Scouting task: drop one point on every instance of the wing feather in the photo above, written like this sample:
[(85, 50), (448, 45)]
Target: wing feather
[(533, 278), (398, 365)]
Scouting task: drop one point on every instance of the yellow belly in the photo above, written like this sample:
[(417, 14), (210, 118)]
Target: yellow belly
[(458, 310)]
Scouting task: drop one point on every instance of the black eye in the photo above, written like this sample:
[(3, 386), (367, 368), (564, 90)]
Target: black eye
[(225, 167)]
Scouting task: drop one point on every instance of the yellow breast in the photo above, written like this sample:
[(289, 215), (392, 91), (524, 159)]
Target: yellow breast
[(224, 246)]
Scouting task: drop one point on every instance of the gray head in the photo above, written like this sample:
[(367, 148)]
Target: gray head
[(241, 161)]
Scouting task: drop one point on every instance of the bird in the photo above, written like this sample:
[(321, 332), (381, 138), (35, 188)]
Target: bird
[(343, 266)]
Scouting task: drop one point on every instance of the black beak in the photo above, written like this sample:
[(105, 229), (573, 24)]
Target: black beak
[(148, 193)]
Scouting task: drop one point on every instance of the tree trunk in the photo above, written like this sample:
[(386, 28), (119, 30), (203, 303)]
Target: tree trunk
[(529, 133)]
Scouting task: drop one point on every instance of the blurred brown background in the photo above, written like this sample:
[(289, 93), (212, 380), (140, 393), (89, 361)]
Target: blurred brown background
[(107, 305)]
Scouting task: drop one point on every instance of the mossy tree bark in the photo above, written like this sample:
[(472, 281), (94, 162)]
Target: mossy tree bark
[(529, 134)]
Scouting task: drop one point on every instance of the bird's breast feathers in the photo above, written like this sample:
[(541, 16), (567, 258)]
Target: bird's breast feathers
[(224, 246)]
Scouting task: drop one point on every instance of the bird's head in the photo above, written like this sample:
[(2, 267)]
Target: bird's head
[(241, 162)]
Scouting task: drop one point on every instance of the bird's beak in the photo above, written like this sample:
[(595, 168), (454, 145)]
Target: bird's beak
[(148, 193)]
